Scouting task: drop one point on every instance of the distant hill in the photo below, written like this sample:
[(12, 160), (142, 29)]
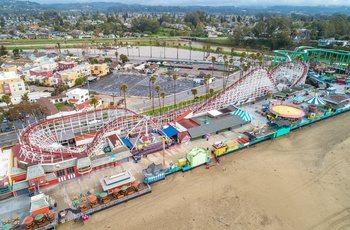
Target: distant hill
[(20, 7)]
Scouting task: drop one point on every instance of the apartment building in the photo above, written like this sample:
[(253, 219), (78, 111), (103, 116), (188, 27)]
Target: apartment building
[(99, 69), (63, 65), (11, 84), (69, 76), (77, 95)]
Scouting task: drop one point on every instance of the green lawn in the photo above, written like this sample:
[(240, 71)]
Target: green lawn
[(59, 105)]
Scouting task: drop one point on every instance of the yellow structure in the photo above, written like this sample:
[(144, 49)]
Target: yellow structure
[(8, 68), (99, 69), (68, 77), (11, 84)]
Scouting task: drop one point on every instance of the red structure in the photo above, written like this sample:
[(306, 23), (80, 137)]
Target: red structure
[(62, 65)]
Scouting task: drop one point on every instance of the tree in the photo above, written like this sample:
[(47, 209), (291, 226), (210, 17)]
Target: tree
[(144, 24), (206, 83), (152, 80), (15, 52), (190, 43), (94, 102), (116, 55), (138, 47), (213, 59), (124, 88), (7, 99), (124, 59), (175, 77), (150, 46), (3, 50), (232, 51), (211, 92), (25, 97), (245, 68), (231, 64), (177, 50), (162, 95), (59, 48), (164, 45), (157, 90), (194, 92)]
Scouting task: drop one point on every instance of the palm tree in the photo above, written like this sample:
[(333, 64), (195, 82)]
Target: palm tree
[(152, 80), (93, 44), (162, 95), (245, 68), (241, 61), (194, 92), (94, 102), (138, 47), (157, 90), (25, 97), (231, 64), (175, 77), (59, 48), (177, 48), (116, 55), (218, 49), (208, 50), (232, 51), (204, 47), (164, 45), (190, 43), (213, 59), (206, 83), (150, 46), (124, 88)]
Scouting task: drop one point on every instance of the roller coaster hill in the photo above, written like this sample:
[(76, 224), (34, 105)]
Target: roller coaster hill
[(71, 146), (337, 59), (74, 145)]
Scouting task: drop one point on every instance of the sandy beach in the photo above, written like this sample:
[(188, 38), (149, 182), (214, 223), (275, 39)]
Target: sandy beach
[(299, 181)]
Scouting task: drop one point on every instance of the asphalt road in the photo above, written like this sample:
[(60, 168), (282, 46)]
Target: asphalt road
[(8, 139)]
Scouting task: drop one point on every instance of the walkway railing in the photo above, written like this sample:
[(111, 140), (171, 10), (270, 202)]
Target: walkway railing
[(113, 203)]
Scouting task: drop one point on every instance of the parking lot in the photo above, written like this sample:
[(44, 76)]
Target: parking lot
[(138, 84)]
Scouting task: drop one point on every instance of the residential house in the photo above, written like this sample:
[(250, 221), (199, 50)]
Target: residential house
[(22, 62), (11, 84), (99, 69), (63, 65), (86, 106), (8, 68), (69, 76), (77, 95), (326, 41), (58, 99), (50, 109)]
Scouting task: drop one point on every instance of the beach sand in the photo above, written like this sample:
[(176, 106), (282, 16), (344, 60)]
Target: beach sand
[(299, 181)]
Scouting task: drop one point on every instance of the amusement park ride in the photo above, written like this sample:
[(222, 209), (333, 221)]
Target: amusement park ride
[(86, 134)]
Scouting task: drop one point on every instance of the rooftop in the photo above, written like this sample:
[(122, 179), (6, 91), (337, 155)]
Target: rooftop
[(38, 202), (120, 179), (35, 171), (4, 163), (8, 75)]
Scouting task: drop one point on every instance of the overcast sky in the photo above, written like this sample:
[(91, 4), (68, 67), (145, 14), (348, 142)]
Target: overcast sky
[(215, 2)]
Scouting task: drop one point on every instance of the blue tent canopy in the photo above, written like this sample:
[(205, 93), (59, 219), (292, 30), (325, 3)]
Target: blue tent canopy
[(315, 101), (244, 115), (170, 131), (126, 142)]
